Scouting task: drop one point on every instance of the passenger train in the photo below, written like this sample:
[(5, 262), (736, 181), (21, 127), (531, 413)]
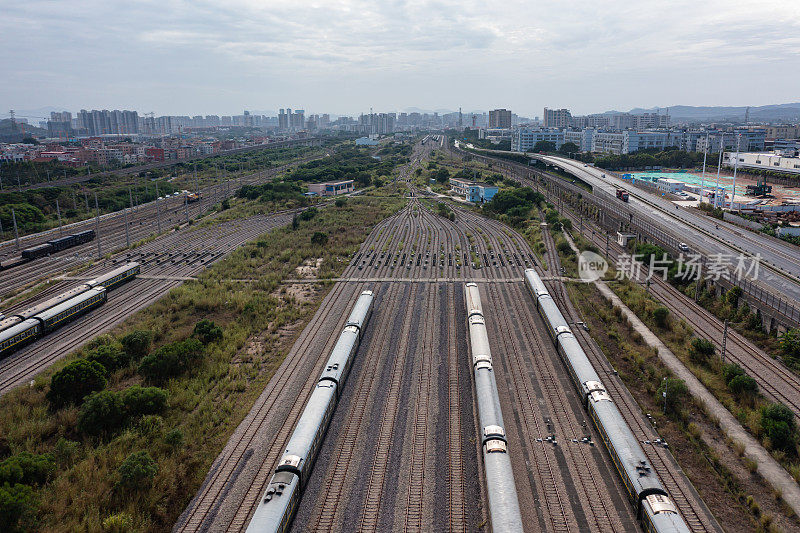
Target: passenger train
[(504, 510), (19, 329), (654, 508), (49, 247), (277, 506)]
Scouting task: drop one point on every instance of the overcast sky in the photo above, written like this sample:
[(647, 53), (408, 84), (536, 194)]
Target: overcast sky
[(345, 56)]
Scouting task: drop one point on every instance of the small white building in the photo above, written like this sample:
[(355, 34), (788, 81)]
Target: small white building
[(670, 185), (366, 141)]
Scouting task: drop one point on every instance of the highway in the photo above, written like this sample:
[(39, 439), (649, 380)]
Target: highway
[(780, 262)]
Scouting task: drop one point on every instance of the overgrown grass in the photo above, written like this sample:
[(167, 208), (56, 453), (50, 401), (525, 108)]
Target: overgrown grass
[(259, 320), (731, 492), (677, 335)]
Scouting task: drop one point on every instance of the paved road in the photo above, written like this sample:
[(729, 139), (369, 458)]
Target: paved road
[(703, 233)]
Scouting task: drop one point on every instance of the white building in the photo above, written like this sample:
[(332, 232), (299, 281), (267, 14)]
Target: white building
[(670, 185), (608, 143), (763, 161), (581, 138), (524, 139)]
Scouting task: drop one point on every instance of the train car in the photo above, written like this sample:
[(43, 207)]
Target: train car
[(19, 335), (72, 308), (503, 502), (39, 308), (35, 252), (11, 263), (654, 508), (116, 277), (8, 321), (276, 508)]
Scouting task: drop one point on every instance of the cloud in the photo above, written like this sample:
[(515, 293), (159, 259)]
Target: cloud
[(412, 52)]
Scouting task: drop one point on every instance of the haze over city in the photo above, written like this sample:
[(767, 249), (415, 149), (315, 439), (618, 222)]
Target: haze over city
[(344, 57)]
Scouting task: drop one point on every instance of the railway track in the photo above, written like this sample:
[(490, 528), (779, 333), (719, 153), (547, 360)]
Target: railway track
[(686, 498), (143, 223), (216, 241)]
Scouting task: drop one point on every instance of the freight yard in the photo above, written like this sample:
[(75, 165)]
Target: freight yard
[(426, 369)]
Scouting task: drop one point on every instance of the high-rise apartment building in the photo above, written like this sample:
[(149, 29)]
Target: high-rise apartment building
[(500, 118), (557, 118)]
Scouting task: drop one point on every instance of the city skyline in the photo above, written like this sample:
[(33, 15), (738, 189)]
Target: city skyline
[(202, 58)]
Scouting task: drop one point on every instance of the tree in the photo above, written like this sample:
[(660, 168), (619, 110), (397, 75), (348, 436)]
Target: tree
[(790, 343), (101, 414), (733, 295), (701, 350), (743, 385), (677, 392), (137, 471), (442, 175), (136, 344), (76, 380), (544, 146), (569, 148), (138, 400), (341, 202), (28, 468), (661, 316), (207, 331), (110, 356), (308, 214), (731, 371), (319, 238), (171, 360), (17, 505), (778, 424)]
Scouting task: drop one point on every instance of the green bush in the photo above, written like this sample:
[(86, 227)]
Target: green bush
[(110, 356), (341, 202), (701, 350), (101, 414), (17, 505), (731, 371), (207, 331), (319, 238), (174, 438), (136, 344), (564, 247), (743, 385), (777, 422), (171, 360), (73, 382), (137, 471), (661, 316), (138, 400), (677, 394), (308, 214), (27, 468)]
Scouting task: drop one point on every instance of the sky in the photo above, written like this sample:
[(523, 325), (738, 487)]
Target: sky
[(347, 56)]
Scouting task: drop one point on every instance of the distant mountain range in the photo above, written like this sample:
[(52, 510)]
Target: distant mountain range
[(764, 113)]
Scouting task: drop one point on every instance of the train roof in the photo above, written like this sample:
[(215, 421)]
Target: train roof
[(70, 303), (19, 328), (117, 271), (360, 309), (52, 302)]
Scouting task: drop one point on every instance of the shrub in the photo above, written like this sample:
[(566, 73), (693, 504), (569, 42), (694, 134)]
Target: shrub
[(661, 316), (138, 400), (73, 382), (174, 438), (17, 503), (101, 414), (341, 202), (136, 344), (117, 523), (778, 424), (319, 238), (27, 468), (308, 214), (677, 393), (171, 360), (733, 295), (564, 247), (743, 385), (137, 471), (701, 350), (207, 331), (110, 356), (730, 371)]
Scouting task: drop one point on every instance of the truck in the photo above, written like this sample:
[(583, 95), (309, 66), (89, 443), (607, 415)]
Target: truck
[(622, 194)]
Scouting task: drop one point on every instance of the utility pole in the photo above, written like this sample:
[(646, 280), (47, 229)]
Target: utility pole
[(665, 395), (186, 206), (127, 230), (735, 167), (719, 166), (703, 178), (16, 231), (724, 339), (74, 201), (86, 197), (97, 225), (60, 228), (699, 278), (158, 210)]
